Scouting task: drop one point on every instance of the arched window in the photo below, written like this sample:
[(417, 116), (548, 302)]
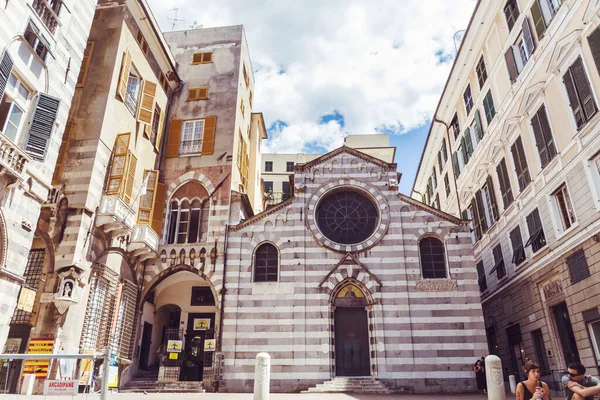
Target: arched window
[(266, 260), (433, 260), (188, 221)]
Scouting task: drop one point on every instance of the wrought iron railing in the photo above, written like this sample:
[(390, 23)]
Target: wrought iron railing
[(272, 198)]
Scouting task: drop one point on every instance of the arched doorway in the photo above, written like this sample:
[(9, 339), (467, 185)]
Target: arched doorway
[(351, 330)]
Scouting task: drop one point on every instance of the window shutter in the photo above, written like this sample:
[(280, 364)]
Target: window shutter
[(469, 142), (478, 125), (539, 138), (207, 57), (62, 153), (197, 58), (174, 139), (578, 266), (538, 19), (521, 168), (492, 194), (439, 157), (583, 87), (511, 64), (444, 149), (547, 132), (594, 42), (158, 209), (41, 126), (208, 139), (146, 106), (161, 127), (5, 69), (129, 178), (455, 164), (528, 36), (147, 199), (573, 98), (85, 64), (480, 211), (505, 188), (124, 77), (118, 164), (476, 219), (463, 148)]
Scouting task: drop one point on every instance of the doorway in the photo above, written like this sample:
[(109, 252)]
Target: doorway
[(565, 332), (146, 342), (196, 360), (351, 342)]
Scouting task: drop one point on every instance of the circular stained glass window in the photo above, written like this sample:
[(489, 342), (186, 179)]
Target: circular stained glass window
[(347, 217)]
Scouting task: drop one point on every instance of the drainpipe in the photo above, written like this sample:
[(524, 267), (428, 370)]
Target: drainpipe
[(439, 121)]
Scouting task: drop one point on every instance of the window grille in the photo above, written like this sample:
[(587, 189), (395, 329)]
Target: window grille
[(191, 141), (433, 259), (32, 275), (266, 262), (122, 344)]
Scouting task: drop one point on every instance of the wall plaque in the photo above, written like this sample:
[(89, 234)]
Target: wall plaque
[(436, 286)]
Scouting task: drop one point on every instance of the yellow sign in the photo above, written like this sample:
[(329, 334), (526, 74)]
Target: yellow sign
[(210, 344), (85, 369), (38, 367), (201, 324), (174, 346), (350, 291), (173, 356), (26, 299)]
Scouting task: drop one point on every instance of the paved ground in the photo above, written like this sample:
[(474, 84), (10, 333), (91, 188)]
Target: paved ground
[(248, 396)]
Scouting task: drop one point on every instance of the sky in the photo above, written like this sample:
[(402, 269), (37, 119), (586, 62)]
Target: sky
[(325, 69)]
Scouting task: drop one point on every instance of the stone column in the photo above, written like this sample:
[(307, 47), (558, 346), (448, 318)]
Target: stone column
[(262, 376), (494, 378)]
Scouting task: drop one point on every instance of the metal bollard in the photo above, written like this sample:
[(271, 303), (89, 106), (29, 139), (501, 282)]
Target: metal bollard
[(262, 376), (494, 378)]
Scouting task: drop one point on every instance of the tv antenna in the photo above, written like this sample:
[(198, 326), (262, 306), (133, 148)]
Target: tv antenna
[(175, 20)]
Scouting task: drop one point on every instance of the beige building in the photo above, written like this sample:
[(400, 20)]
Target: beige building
[(514, 148), (276, 169), (41, 49)]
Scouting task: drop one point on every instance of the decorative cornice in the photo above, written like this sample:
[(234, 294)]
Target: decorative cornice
[(262, 215), (352, 258), (435, 211)]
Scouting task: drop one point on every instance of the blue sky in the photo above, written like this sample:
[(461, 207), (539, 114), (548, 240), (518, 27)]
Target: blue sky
[(327, 69)]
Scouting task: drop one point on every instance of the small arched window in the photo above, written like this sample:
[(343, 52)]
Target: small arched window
[(266, 263), (433, 259), (188, 221)]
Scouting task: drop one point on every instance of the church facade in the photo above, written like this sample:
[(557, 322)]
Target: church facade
[(350, 278)]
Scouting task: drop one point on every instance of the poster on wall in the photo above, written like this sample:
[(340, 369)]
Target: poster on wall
[(113, 371), (210, 344), (174, 346), (38, 367), (201, 324), (85, 369)]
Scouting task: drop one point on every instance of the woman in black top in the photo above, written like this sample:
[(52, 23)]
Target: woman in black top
[(532, 388), (480, 376)]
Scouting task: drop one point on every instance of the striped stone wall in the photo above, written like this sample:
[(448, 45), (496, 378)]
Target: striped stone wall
[(424, 335)]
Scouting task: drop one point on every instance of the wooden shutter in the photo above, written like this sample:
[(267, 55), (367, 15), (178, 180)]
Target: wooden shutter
[(158, 209), (583, 88), (41, 126), (456, 165), (538, 19), (480, 211), (207, 57), (161, 127), (129, 177), (540, 141), (5, 69), (594, 42), (469, 141), (478, 125), (118, 164), (208, 138), (511, 64), (85, 64), (62, 153), (174, 139), (573, 98), (197, 94), (505, 187), (147, 199), (439, 157), (546, 133), (475, 218), (463, 148), (492, 195), (124, 77), (528, 36), (146, 106), (578, 266), (521, 167), (444, 149)]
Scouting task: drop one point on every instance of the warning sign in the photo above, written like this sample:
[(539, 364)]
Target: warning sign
[(38, 367), (174, 346), (201, 324)]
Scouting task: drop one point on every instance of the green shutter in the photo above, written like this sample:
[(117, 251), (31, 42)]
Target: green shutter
[(538, 20)]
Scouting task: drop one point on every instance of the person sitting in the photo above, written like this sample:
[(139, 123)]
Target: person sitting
[(532, 388), (578, 385)]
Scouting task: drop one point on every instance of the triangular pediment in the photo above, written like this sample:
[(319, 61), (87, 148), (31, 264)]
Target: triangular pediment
[(562, 48), (345, 150), (349, 267), (592, 11), (495, 148), (481, 171), (509, 125), (530, 95)]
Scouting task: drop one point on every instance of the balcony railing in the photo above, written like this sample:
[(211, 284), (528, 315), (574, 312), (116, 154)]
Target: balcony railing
[(115, 216), (12, 159), (46, 14), (143, 242), (272, 198)]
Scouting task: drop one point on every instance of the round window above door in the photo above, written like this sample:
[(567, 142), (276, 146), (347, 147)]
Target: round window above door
[(347, 217)]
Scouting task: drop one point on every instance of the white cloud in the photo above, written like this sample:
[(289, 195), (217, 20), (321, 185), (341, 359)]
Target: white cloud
[(376, 62)]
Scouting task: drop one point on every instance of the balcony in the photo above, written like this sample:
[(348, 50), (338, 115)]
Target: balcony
[(143, 242), (12, 159), (115, 216), (46, 13), (273, 198)]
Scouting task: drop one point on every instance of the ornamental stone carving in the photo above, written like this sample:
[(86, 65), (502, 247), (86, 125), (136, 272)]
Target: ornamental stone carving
[(552, 289), (436, 286)]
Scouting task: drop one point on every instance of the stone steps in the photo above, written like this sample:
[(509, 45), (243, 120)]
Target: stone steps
[(147, 381), (351, 385)]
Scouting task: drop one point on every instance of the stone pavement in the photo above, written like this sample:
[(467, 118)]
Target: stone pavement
[(248, 396)]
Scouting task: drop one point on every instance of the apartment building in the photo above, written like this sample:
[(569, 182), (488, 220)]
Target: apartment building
[(514, 148), (41, 49), (276, 169)]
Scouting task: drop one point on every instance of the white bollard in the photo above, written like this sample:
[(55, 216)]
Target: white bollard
[(494, 378), (513, 383), (262, 376), (27, 385)]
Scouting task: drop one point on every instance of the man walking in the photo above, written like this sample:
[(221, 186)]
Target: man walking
[(578, 385)]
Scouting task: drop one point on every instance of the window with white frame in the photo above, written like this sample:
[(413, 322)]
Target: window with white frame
[(468, 99), (133, 91), (36, 40), (191, 137), (595, 175), (13, 107), (511, 13), (188, 221), (594, 331), (564, 207), (520, 52)]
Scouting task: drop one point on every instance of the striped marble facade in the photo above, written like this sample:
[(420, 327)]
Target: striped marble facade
[(424, 334)]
